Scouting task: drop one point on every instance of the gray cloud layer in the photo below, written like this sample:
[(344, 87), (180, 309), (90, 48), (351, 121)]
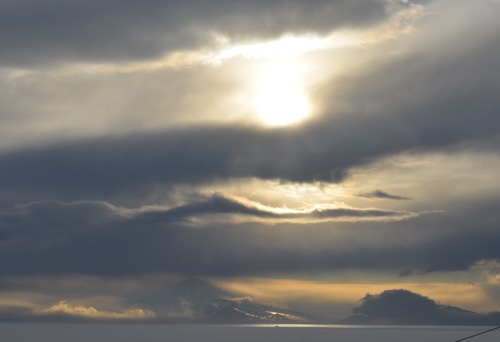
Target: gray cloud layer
[(95, 238), (34, 32)]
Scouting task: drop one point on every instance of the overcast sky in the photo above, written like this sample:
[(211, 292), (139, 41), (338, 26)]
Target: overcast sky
[(302, 153)]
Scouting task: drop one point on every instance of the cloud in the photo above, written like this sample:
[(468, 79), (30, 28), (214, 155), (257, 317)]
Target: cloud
[(220, 205), (49, 31), (104, 167), (405, 307), (62, 309), (383, 195), (198, 208), (99, 239)]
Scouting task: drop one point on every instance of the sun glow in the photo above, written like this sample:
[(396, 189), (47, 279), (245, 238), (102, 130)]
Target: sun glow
[(280, 99)]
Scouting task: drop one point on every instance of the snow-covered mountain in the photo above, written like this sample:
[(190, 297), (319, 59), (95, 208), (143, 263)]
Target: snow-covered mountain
[(208, 303), (246, 310)]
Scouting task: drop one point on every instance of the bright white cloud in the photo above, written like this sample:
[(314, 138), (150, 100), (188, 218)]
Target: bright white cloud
[(63, 308)]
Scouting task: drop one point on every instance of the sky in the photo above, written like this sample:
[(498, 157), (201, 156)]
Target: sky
[(300, 153)]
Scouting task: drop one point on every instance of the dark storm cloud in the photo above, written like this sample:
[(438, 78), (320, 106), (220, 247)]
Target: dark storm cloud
[(383, 195), (103, 167), (98, 239), (49, 31)]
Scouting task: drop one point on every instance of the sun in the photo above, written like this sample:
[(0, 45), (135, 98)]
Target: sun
[(280, 99)]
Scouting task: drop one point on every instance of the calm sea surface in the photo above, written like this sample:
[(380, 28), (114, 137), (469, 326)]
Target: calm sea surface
[(23, 332)]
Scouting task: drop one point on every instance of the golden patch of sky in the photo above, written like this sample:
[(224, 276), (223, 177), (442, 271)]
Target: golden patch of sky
[(337, 296)]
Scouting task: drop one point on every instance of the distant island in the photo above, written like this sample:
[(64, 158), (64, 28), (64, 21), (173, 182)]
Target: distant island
[(405, 307)]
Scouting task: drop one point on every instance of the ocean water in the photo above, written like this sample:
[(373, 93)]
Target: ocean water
[(44, 332)]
